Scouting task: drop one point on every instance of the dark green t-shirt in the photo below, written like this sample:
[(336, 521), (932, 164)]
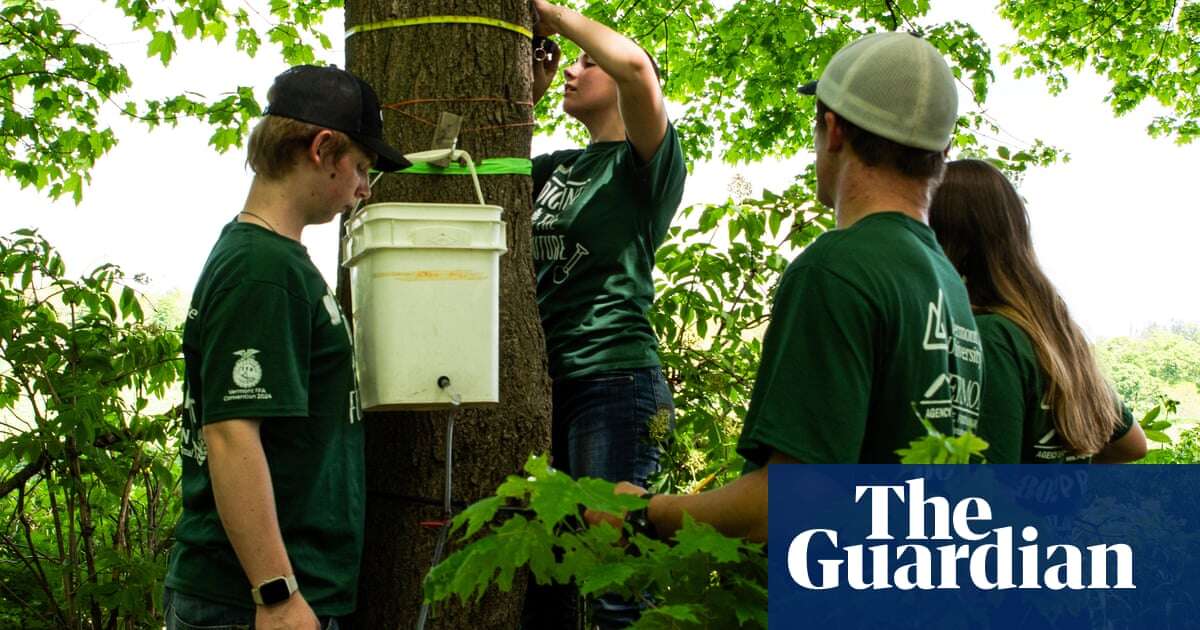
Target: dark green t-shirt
[(1017, 424), (265, 339), (868, 321), (599, 214)]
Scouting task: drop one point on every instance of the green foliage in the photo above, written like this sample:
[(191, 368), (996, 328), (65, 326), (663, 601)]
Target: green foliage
[(51, 89), (1148, 50), (716, 59), (936, 447), (1185, 451), (1144, 367), (54, 84), (701, 580), (86, 477), (738, 79), (718, 271), (1156, 421)]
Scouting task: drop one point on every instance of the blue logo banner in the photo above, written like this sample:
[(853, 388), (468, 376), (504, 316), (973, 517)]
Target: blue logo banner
[(988, 546)]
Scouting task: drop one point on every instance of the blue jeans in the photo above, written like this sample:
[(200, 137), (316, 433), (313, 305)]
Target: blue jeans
[(608, 425), (602, 424), (185, 612)]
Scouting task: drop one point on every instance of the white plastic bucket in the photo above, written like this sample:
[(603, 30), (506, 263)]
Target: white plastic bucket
[(425, 281)]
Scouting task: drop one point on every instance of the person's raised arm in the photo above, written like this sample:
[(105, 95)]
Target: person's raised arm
[(639, 95)]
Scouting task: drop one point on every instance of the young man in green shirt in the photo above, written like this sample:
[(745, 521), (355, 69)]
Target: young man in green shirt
[(271, 531), (871, 321)]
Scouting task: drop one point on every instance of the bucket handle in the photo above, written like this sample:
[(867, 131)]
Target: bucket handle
[(455, 155)]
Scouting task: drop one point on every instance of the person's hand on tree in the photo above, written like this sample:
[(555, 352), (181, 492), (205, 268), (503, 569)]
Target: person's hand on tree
[(546, 15), (595, 517)]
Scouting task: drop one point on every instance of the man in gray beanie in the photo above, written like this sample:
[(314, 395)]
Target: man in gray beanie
[(871, 320)]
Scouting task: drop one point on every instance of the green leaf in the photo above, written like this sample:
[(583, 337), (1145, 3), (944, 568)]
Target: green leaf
[(128, 301), (190, 22), (604, 577), (476, 516), (162, 44), (669, 616), (1157, 436), (552, 498), (701, 539)]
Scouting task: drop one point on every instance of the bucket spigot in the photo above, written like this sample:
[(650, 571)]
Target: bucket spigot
[(443, 382)]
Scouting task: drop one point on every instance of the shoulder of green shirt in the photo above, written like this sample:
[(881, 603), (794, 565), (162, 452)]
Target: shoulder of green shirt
[(549, 161), (807, 271), (670, 145), (543, 166), (267, 263), (1126, 423), (1002, 331), (832, 253), (850, 244)]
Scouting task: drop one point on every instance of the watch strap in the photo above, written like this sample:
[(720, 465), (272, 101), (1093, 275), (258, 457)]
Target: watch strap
[(274, 590), (639, 519)]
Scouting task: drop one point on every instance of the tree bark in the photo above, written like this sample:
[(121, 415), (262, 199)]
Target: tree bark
[(485, 71)]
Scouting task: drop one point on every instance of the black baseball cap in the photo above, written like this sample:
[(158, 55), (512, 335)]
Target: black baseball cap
[(330, 97)]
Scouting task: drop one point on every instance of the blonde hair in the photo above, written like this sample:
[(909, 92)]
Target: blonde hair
[(276, 143), (983, 227)]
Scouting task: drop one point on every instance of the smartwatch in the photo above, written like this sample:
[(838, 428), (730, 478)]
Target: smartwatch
[(274, 590), (639, 519)]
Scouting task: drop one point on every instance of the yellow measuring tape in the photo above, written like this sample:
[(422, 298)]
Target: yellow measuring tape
[(438, 19)]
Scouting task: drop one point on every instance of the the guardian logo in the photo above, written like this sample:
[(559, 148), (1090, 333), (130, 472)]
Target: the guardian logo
[(975, 554)]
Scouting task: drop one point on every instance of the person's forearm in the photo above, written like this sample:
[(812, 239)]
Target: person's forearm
[(738, 509), (1130, 447), (245, 498), (622, 59), (539, 89)]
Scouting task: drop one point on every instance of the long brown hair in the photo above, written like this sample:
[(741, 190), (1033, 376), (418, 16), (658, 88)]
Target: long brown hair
[(983, 227)]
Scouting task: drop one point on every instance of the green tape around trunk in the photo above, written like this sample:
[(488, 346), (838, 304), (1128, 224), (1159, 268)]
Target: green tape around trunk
[(490, 166)]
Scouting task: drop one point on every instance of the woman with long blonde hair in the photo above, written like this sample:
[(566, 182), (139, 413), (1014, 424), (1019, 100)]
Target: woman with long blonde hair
[(1044, 399)]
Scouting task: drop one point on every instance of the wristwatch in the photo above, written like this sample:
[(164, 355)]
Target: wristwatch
[(639, 519), (274, 590)]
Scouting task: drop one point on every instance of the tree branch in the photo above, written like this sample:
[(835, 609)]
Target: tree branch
[(892, 10), (43, 581), (25, 474)]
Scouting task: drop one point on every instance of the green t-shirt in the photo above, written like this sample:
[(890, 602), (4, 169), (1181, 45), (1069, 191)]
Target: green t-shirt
[(265, 339), (599, 214), (868, 322), (1017, 424)]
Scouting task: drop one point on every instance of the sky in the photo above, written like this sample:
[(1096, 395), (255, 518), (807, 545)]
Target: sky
[(1115, 227)]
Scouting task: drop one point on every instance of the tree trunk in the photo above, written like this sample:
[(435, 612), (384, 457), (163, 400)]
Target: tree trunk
[(484, 72)]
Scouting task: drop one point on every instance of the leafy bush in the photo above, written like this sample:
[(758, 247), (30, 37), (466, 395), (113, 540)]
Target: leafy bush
[(716, 280), (702, 579), (87, 501), (1184, 451)]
